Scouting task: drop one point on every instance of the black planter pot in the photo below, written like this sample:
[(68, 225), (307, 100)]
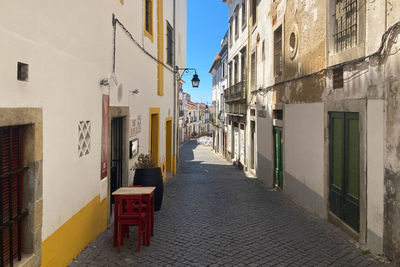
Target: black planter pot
[(151, 177)]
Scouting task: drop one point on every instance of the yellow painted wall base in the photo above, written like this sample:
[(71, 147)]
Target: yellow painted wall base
[(174, 164), (73, 236), (164, 170)]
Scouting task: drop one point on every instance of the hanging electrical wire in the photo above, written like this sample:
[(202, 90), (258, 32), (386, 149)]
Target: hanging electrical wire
[(116, 21), (380, 52)]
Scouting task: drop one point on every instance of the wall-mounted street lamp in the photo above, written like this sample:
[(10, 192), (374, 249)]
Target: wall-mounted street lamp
[(195, 79)]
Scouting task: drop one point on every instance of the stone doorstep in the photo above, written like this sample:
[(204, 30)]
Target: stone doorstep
[(27, 260)]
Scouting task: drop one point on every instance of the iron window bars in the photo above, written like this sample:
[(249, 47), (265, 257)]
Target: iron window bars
[(11, 188), (345, 31)]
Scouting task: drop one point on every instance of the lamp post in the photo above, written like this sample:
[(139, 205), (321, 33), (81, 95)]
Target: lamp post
[(195, 79)]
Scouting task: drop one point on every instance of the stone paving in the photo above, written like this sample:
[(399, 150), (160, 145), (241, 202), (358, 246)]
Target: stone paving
[(213, 215)]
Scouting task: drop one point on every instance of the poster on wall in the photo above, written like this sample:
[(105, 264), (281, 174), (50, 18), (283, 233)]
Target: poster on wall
[(236, 142), (229, 138), (104, 136)]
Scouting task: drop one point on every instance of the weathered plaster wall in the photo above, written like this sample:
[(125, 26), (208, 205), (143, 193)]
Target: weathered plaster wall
[(307, 20), (370, 88), (391, 234)]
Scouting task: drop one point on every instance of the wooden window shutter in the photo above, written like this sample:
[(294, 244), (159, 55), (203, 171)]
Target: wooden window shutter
[(11, 194)]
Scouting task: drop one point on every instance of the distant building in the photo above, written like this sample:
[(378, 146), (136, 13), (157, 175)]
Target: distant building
[(236, 94), (219, 83), (196, 120)]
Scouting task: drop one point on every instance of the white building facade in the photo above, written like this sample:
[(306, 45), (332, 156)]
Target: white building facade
[(81, 93), (219, 72), (236, 98)]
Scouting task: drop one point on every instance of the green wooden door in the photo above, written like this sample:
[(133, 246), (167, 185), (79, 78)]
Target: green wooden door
[(344, 171), (278, 162)]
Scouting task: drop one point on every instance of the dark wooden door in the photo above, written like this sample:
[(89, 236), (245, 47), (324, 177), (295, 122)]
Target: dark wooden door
[(344, 171), (278, 157), (116, 154)]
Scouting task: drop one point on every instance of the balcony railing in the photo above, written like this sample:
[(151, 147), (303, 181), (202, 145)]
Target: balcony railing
[(236, 92)]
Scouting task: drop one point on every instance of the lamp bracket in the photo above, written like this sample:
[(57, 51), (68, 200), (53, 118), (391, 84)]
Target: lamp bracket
[(184, 70)]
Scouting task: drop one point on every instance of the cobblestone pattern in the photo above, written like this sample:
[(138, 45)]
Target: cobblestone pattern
[(213, 215)]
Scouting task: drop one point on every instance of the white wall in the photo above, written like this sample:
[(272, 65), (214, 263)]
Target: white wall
[(304, 154), (375, 173)]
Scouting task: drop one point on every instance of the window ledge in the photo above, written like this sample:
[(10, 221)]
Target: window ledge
[(149, 35), (346, 55)]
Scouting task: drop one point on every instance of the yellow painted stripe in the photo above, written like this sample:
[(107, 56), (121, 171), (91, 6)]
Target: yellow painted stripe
[(160, 45), (73, 236)]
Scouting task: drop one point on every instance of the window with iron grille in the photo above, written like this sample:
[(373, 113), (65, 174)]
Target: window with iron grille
[(243, 64), (170, 49), (11, 181), (236, 23), (278, 52), (345, 29), (254, 11), (244, 14), (253, 71), (230, 33), (230, 78), (236, 69)]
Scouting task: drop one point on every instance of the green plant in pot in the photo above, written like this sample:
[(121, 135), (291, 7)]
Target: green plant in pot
[(147, 174)]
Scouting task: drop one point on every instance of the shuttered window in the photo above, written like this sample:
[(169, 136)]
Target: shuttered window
[(11, 175)]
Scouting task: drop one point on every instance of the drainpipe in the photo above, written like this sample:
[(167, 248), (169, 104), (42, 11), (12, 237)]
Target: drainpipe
[(175, 134)]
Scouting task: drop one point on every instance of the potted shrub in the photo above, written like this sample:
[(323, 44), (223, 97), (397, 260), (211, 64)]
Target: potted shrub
[(147, 174)]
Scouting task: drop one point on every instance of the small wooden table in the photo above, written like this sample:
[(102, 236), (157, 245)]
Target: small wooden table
[(148, 196)]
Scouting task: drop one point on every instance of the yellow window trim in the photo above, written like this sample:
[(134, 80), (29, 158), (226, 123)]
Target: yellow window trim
[(148, 34)]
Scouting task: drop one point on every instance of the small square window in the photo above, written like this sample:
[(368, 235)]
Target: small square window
[(22, 71), (338, 78), (277, 114)]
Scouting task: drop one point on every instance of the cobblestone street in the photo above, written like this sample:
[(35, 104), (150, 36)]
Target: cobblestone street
[(213, 215)]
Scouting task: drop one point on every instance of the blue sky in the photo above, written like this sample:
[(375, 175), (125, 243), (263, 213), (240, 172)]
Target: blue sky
[(207, 23)]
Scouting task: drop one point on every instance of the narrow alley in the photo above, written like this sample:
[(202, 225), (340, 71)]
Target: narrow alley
[(213, 215)]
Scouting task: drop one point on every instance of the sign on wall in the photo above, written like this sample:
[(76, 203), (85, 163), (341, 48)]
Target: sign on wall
[(135, 126), (262, 113)]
